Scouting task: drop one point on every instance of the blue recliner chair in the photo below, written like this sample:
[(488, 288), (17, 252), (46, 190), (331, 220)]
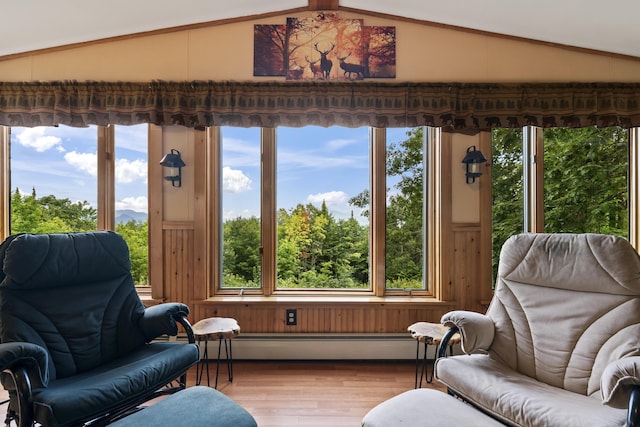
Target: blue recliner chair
[(76, 341)]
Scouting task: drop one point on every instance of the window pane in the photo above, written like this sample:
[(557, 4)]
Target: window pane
[(322, 201), (131, 169), (241, 207), (507, 190), (406, 173), (53, 179), (585, 180)]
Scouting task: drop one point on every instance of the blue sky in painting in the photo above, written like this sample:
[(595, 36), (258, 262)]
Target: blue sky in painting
[(314, 164)]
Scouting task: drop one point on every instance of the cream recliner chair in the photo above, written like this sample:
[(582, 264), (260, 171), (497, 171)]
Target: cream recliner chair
[(560, 342)]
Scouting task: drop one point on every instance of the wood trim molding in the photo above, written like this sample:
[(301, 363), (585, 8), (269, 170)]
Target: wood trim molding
[(378, 210), (486, 220), (323, 4), (268, 209), (634, 187), (5, 181), (106, 178), (155, 147)]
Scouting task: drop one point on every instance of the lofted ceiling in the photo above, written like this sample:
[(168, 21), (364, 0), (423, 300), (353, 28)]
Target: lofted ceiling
[(611, 26)]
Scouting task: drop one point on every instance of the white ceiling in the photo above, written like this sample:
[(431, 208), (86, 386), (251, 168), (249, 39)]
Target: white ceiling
[(611, 26)]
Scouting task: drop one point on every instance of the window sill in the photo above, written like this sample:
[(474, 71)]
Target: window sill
[(323, 299)]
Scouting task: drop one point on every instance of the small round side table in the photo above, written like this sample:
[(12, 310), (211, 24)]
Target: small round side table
[(222, 329), (428, 333)]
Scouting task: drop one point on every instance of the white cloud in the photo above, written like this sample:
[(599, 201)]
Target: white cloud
[(132, 137), (87, 162), (336, 144), (235, 181), (138, 204), (331, 198), (233, 214), (35, 138), (128, 171)]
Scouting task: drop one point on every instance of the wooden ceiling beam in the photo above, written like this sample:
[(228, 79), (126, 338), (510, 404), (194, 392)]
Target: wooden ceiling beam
[(323, 4)]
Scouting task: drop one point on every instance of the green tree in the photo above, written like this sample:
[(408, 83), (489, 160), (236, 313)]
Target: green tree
[(507, 189), (136, 234), (585, 182), (241, 256), (49, 214), (585, 175), (405, 222)]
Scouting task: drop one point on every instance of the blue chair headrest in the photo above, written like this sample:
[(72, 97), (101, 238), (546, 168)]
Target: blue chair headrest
[(37, 261)]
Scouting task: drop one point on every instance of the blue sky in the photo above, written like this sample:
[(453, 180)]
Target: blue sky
[(62, 161), (314, 164)]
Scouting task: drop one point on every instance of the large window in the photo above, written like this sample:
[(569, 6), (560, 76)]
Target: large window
[(559, 180), (405, 218), (240, 208), (322, 236), (296, 206), (53, 179), (131, 199)]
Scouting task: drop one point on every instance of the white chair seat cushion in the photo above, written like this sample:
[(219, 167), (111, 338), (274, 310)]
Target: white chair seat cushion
[(424, 407), (512, 396)]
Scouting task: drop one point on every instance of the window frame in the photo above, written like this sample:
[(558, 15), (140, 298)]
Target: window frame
[(533, 183), (268, 220)]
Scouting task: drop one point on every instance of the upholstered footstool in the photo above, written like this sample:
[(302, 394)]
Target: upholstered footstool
[(424, 407), (193, 406)]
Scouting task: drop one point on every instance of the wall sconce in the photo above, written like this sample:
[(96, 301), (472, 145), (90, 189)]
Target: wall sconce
[(174, 162), (472, 161)]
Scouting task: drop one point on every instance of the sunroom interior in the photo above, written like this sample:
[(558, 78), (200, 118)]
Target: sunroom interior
[(188, 81)]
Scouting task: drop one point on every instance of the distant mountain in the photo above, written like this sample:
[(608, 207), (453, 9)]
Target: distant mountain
[(127, 215)]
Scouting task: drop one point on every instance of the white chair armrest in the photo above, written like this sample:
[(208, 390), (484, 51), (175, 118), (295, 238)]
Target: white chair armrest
[(617, 380), (476, 330)]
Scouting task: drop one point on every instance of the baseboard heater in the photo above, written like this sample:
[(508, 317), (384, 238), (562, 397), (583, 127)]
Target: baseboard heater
[(321, 347)]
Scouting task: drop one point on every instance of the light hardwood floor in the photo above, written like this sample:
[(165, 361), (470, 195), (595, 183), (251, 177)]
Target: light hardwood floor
[(310, 393)]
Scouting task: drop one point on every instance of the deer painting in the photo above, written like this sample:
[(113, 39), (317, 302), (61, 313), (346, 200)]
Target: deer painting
[(325, 63), (349, 68), (316, 69), (295, 72)]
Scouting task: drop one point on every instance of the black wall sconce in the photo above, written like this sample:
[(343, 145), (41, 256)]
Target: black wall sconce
[(174, 162), (472, 161)]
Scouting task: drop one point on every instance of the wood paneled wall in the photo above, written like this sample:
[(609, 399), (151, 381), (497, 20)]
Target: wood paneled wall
[(265, 316), (460, 258)]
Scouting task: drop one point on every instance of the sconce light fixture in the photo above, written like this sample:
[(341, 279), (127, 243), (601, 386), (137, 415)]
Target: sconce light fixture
[(472, 161), (174, 162)]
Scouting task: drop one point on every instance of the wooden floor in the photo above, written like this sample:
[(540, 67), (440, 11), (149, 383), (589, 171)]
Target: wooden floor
[(314, 393)]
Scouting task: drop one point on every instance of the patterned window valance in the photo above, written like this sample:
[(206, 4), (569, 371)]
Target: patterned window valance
[(459, 107)]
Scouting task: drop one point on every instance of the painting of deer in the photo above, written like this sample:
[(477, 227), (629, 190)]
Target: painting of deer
[(316, 69), (333, 48), (325, 63), (349, 68), (295, 71)]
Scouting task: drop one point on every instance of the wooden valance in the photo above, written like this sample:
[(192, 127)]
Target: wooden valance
[(463, 107)]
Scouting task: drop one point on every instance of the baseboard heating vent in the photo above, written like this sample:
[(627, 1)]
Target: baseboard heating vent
[(321, 347)]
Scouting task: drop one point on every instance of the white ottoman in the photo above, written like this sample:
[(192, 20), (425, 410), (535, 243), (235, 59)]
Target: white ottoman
[(424, 407)]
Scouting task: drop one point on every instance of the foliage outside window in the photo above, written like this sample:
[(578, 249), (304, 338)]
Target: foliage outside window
[(240, 208), (585, 182), (405, 225)]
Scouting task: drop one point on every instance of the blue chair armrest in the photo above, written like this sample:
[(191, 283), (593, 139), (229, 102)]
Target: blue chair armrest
[(163, 319), (33, 358)]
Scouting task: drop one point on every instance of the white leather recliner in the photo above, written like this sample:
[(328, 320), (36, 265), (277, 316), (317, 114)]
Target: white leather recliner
[(560, 342)]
